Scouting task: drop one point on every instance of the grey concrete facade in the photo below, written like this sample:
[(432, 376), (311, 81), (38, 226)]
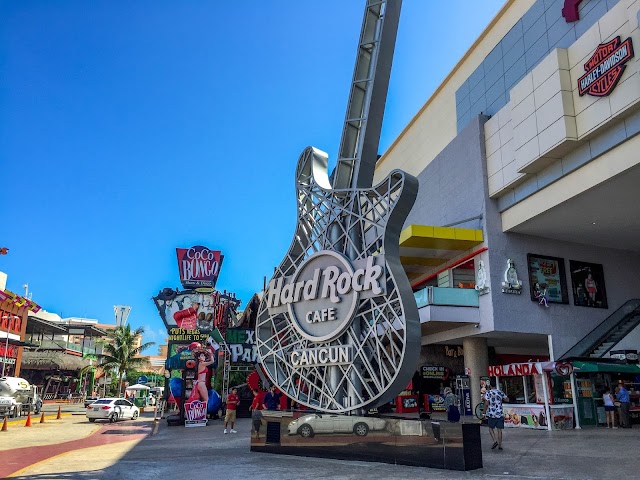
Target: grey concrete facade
[(541, 29), (619, 132), (453, 187)]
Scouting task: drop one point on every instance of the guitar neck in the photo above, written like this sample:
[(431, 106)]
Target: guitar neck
[(358, 152)]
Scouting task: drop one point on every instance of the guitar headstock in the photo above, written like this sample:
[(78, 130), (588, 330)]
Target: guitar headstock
[(338, 326)]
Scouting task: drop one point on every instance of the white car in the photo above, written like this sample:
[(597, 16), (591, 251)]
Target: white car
[(112, 409), (309, 425)]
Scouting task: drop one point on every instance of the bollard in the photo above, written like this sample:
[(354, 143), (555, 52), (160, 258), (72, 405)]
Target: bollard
[(42, 418), (28, 423), (59, 413), (4, 425)]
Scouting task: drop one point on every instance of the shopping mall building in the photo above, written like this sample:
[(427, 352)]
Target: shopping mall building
[(528, 152)]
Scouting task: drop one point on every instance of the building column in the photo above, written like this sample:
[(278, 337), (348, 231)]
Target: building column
[(476, 362)]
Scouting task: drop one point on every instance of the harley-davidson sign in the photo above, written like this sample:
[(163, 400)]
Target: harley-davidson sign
[(605, 67)]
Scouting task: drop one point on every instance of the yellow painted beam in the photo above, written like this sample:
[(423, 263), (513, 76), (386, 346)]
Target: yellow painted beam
[(440, 238)]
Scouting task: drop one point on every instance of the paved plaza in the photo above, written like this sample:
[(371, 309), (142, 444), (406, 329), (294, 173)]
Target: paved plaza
[(130, 450)]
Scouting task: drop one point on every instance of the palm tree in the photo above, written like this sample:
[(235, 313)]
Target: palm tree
[(119, 352)]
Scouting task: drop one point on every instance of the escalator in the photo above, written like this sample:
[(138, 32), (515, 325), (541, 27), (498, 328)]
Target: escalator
[(605, 336)]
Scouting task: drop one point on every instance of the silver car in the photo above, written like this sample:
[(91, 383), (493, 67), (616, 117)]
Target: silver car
[(112, 409), (309, 425)]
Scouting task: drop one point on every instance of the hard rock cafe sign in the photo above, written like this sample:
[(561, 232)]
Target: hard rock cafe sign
[(338, 327)]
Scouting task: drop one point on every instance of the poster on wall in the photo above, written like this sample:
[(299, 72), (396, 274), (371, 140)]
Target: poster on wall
[(547, 278), (587, 282)]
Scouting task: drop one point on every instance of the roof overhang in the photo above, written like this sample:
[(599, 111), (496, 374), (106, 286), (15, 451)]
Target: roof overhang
[(424, 248)]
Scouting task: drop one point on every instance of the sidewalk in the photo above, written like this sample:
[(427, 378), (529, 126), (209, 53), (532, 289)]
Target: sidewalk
[(31, 448), (195, 453)]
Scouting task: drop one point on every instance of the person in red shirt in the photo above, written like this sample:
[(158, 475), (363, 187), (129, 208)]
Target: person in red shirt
[(232, 404), (256, 410)]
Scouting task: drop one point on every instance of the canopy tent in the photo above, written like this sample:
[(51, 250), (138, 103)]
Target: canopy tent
[(595, 367), (138, 387)]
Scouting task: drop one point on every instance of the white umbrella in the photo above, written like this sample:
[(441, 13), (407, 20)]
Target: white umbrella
[(138, 387)]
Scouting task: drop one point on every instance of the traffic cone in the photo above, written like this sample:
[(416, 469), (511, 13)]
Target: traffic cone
[(28, 423), (59, 413), (42, 418), (4, 425)]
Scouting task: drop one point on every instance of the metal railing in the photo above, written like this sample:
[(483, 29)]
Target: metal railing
[(453, 297), (598, 335)]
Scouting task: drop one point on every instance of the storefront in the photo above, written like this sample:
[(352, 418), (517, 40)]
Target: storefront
[(530, 388), (593, 378), (13, 323)]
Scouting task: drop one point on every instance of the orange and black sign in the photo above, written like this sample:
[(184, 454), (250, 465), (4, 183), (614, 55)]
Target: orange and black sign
[(605, 67)]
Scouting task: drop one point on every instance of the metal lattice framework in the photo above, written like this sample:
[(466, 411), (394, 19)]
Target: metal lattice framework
[(358, 223)]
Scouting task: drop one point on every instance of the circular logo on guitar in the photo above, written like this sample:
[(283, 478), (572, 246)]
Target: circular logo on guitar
[(322, 296)]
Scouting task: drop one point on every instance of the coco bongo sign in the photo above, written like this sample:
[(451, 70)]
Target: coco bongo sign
[(605, 67), (199, 267)]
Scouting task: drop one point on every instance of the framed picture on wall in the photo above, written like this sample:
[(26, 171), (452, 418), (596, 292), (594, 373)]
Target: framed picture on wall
[(587, 282), (547, 277)]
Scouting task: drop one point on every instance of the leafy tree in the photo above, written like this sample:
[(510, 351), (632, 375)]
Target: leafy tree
[(119, 353)]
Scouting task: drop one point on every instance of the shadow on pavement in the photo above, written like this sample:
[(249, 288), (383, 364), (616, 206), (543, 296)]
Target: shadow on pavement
[(198, 453)]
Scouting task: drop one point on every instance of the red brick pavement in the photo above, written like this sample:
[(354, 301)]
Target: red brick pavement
[(19, 458)]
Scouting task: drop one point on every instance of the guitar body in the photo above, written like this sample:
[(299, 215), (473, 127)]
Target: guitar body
[(338, 327)]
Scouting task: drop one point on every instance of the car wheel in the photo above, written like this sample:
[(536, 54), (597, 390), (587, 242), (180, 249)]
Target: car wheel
[(305, 431), (92, 420), (361, 429), (134, 416), (113, 418)]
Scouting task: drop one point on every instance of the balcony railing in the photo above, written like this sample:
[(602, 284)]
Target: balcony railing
[(452, 297), (62, 345)]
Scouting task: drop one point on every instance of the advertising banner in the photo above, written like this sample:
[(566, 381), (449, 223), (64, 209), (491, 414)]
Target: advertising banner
[(195, 313), (547, 278), (436, 403), (434, 372), (199, 267), (525, 417), (587, 282)]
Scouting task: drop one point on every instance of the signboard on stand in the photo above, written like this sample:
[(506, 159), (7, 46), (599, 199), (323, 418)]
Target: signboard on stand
[(199, 267)]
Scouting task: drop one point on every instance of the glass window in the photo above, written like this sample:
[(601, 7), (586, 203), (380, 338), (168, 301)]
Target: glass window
[(514, 389)]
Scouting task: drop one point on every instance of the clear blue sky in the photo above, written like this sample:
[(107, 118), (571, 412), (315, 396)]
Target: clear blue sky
[(128, 129)]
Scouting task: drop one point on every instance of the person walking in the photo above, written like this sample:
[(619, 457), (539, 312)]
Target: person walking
[(623, 397), (451, 405), (256, 411), (493, 413), (232, 404), (609, 408)]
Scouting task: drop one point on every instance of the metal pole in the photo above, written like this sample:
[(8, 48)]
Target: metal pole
[(546, 400), (572, 379)]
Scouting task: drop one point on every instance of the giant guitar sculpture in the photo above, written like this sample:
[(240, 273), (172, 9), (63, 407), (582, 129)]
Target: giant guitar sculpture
[(338, 327)]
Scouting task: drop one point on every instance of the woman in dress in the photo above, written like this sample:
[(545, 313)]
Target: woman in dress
[(451, 405)]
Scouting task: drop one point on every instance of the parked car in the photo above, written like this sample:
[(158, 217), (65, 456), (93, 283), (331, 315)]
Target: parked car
[(89, 400), (112, 409), (309, 425)]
